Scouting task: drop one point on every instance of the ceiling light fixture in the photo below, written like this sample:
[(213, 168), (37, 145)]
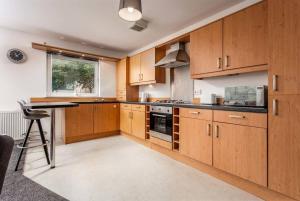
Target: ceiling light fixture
[(130, 10)]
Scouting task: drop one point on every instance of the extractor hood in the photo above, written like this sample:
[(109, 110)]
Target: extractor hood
[(177, 57)]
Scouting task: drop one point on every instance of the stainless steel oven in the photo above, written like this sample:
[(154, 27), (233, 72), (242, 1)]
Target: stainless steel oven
[(161, 122)]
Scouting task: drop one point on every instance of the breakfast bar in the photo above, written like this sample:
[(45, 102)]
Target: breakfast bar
[(52, 106)]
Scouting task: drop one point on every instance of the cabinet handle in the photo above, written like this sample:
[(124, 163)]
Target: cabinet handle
[(226, 61), (236, 116), (115, 106), (194, 112), (208, 129), (217, 131), (219, 63), (275, 104), (142, 76), (275, 77)]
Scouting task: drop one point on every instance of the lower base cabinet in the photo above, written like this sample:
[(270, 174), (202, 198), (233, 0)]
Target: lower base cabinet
[(90, 121), (139, 124), (241, 150), (284, 145), (133, 120), (125, 120), (196, 139)]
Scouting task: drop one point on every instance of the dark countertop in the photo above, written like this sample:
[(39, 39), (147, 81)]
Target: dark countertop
[(197, 106), (45, 105), (95, 102), (209, 107)]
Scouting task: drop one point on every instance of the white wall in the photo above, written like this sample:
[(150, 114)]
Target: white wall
[(158, 90), (203, 88), (107, 79), (29, 79)]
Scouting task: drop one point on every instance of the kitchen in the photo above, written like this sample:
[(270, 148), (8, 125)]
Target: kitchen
[(210, 110)]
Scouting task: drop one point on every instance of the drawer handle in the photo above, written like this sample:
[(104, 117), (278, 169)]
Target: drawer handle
[(219, 63), (217, 131), (236, 116), (227, 61), (275, 105), (275, 77), (194, 112), (208, 129)]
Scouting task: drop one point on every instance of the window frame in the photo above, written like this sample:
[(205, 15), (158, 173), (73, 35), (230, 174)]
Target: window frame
[(50, 93)]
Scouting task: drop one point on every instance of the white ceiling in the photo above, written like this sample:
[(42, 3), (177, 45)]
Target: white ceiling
[(96, 22)]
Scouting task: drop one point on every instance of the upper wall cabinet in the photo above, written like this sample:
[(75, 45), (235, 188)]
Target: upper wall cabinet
[(284, 34), (245, 37), (235, 44), (125, 92), (143, 70), (206, 49)]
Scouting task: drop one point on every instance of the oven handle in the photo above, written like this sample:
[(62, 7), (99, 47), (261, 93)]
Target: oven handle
[(159, 115)]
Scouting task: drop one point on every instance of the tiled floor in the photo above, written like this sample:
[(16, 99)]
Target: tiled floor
[(118, 169)]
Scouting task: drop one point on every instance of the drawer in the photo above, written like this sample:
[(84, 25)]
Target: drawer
[(241, 118), (141, 108), (121, 92), (195, 113), (121, 98), (125, 106)]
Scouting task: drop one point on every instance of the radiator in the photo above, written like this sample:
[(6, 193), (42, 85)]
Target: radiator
[(13, 124)]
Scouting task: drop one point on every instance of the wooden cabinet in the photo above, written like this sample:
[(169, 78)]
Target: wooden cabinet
[(143, 70), (133, 120), (106, 117), (284, 31), (284, 145), (284, 91), (125, 119), (135, 69), (90, 121), (125, 92), (79, 121), (245, 37), (241, 150), (206, 49), (235, 44), (147, 65), (196, 139), (139, 124)]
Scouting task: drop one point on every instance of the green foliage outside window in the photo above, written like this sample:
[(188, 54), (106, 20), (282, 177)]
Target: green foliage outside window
[(71, 75)]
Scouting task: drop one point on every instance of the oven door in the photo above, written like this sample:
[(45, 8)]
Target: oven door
[(161, 125)]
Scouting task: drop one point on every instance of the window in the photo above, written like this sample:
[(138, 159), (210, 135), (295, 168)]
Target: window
[(69, 76)]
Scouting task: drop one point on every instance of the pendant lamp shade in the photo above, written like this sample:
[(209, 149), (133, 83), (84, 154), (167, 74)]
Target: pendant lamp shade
[(130, 10)]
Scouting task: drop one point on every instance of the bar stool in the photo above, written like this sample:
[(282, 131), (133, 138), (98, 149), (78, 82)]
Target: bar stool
[(33, 135), (33, 116)]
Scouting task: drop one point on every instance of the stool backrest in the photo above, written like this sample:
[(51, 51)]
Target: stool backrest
[(6, 147), (25, 112)]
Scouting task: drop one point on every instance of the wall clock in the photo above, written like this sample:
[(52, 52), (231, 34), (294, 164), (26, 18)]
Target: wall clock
[(16, 56)]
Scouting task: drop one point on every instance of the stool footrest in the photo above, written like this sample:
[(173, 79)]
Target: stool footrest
[(20, 146)]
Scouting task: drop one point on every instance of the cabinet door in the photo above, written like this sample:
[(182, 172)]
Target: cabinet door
[(79, 121), (206, 49), (121, 75), (284, 145), (125, 121), (284, 34), (135, 69), (139, 124), (106, 117), (148, 65), (196, 139), (241, 150), (245, 37)]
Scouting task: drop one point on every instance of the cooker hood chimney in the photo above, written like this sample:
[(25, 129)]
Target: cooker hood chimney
[(177, 57)]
